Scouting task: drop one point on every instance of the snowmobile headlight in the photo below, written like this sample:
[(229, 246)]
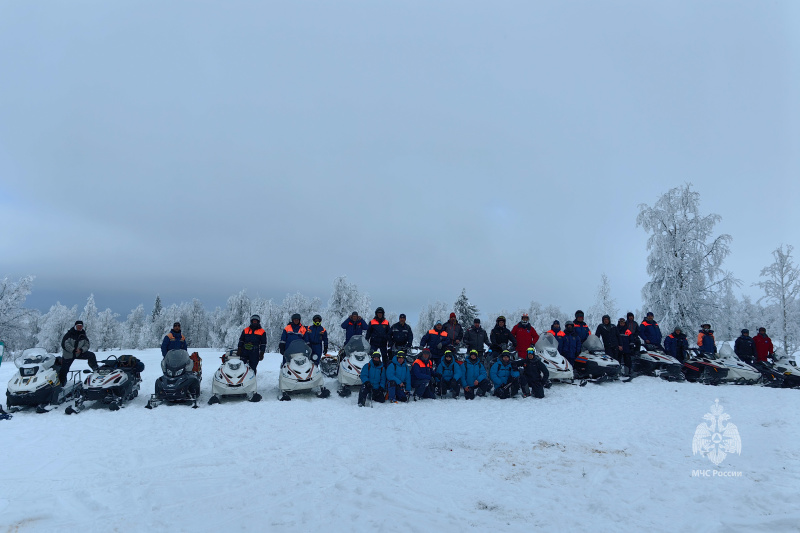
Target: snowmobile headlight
[(178, 372), (300, 360), (361, 357), (168, 372), (28, 371), (234, 366)]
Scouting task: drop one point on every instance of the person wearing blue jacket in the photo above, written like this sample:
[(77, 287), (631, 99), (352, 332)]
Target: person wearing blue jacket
[(569, 344), (449, 374), (354, 325), (649, 331), (676, 344), (581, 328), (436, 340), (422, 376), (174, 340), (293, 331), (398, 377), (505, 377), (705, 339), (317, 337), (373, 380), (473, 377)]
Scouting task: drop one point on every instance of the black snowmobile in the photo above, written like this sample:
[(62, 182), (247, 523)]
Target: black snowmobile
[(180, 382), (698, 368), (593, 364)]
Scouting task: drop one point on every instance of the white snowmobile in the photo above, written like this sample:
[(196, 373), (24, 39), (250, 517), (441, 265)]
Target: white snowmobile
[(298, 373), (37, 384), (594, 364), (234, 378), (739, 372), (356, 355), (699, 367), (558, 366), (116, 381), (653, 361), (180, 382)]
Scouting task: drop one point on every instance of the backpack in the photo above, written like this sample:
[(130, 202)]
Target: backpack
[(197, 362)]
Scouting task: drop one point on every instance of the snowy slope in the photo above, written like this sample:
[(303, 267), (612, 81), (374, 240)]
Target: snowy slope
[(602, 457)]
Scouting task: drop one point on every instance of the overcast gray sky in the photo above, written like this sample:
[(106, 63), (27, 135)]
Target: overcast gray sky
[(196, 148)]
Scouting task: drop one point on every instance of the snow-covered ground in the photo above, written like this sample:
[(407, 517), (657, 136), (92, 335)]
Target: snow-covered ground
[(600, 458)]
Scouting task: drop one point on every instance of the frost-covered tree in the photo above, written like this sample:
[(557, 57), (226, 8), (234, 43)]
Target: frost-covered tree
[(15, 319), (428, 316), (782, 288), (603, 304), (158, 307), (194, 323), (89, 315), (132, 328), (726, 319), (54, 324), (105, 334), (464, 310), (344, 299), (685, 259)]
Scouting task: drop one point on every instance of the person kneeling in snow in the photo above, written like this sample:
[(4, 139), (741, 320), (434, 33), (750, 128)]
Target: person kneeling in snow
[(534, 375), (398, 377), (373, 379), (422, 376), (449, 375), (473, 377), (505, 377)]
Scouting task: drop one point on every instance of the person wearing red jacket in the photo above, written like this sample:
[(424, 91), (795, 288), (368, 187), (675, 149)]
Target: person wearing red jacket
[(764, 346), (525, 334)]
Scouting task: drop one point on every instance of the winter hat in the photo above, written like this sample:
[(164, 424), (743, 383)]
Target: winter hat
[(317, 318), (556, 323), (452, 315), (745, 331), (79, 322), (569, 323), (296, 315), (629, 315), (762, 329), (402, 315), (354, 313), (705, 325), (578, 313), (438, 323), (649, 314), (608, 317), (254, 317), (176, 324), (476, 321)]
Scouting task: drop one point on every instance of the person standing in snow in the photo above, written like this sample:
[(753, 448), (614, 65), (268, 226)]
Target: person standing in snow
[(745, 347), (525, 335), (379, 333), (626, 340), (476, 338), (705, 339), (569, 343), (676, 344), (501, 337), (402, 336), (454, 331), (764, 348), (174, 340), (355, 325), (582, 329), (649, 331), (435, 340), (75, 345), (252, 343), (293, 331), (611, 343), (317, 338)]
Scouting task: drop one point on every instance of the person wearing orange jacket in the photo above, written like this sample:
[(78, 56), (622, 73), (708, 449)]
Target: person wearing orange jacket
[(525, 334), (378, 334), (252, 343), (294, 330), (705, 339), (582, 329)]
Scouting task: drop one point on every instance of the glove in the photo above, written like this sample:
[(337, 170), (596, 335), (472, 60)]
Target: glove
[(261, 356), (439, 346)]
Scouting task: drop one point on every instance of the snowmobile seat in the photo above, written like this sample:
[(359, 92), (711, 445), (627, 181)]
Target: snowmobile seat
[(129, 363)]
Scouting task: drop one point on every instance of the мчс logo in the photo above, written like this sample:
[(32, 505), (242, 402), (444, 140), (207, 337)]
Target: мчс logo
[(717, 438)]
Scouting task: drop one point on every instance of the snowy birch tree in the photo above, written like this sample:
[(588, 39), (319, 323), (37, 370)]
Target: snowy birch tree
[(428, 316), (14, 318), (344, 299), (782, 288), (132, 328), (106, 332), (685, 259), (603, 304), (89, 315), (54, 324)]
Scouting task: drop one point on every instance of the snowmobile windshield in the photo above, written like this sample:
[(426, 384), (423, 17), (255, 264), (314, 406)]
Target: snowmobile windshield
[(593, 344), (298, 348), (546, 342), (726, 352), (35, 356), (175, 360), (357, 345)]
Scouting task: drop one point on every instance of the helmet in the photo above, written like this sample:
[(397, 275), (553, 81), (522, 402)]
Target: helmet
[(525, 316), (501, 317), (317, 318), (745, 331), (255, 317), (376, 353), (531, 350), (505, 353), (380, 310), (400, 353), (448, 353), (296, 316), (473, 352)]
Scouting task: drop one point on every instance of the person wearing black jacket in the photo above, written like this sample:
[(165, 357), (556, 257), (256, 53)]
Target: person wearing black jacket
[(633, 327), (75, 345), (475, 338), (627, 345), (402, 336), (608, 332), (745, 347), (501, 336), (533, 375), (378, 334)]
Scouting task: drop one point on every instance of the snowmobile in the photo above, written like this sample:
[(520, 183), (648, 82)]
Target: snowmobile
[(37, 384), (739, 372), (356, 355), (651, 360), (558, 366), (594, 364), (181, 380), (234, 378), (329, 364), (298, 373), (698, 367), (791, 376), (770, 375), (460, 354), (116, 381)]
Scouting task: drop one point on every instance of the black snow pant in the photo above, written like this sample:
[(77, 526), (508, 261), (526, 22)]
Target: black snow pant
[(614, 353), (378, 395), (508, 390), (452, 385), (251, 358), (66, 363), (532, 387), (481, 388)]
